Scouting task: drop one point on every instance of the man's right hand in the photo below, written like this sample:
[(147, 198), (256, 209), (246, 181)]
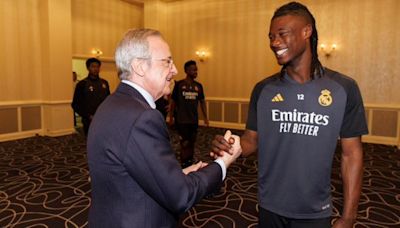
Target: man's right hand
[(220, 145), (234, 150)]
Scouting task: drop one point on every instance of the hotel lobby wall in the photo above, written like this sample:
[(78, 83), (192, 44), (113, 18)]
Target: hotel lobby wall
[(36, 68), (36, 83), (101, 25), (235, 33)]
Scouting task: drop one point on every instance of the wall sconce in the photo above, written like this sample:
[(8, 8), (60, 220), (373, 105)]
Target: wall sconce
[(202, 55), (328, 50), (96, 52)]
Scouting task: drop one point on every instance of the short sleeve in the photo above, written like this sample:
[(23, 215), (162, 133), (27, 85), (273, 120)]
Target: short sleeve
[(252, 113), (354, 120)]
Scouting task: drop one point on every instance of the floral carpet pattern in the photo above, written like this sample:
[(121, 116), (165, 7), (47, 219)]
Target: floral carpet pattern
[(44, 183)]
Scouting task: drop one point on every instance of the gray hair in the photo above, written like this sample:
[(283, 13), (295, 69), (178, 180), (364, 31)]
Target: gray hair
[(133, 45)]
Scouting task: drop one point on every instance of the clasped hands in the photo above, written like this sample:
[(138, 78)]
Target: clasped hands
[(226, 147)]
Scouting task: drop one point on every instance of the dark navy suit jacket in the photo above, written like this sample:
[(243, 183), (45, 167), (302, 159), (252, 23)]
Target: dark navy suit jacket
[(136, 179)]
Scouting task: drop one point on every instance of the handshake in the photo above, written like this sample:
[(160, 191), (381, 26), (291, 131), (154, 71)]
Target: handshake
[(226, 147)]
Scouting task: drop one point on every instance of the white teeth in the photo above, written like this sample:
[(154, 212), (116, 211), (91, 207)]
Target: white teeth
[(280, 52)]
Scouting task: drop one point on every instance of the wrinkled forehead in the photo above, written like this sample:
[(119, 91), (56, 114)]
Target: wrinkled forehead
[(158, 47)]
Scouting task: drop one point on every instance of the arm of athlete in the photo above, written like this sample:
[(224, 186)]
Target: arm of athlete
[(352, 171)]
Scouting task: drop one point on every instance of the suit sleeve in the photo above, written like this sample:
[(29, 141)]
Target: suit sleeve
[(151, 161)]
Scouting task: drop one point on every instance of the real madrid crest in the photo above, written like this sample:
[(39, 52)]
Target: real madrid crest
[(325, 99)]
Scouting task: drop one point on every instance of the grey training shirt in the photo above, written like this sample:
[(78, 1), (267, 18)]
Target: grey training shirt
[(298, 126)]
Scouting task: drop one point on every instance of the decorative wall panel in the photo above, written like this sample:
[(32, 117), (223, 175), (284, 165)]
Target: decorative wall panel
[(231, 112), (8, 120), (31, 118), (384, 123)]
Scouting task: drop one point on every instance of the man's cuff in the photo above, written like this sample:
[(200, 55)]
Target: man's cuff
[(221, 163)]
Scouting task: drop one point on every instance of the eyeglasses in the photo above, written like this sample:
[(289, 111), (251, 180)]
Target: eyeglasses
[(168, 61)]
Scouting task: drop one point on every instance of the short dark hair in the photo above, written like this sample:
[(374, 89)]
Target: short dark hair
[(298, 9), (92, 60), (189, 63)]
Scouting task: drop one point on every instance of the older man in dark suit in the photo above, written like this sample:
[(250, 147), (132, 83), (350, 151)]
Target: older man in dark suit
[(136, 179)]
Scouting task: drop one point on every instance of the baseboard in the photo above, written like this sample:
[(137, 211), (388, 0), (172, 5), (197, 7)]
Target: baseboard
[(19, 135), (60, 132), (28, 134)]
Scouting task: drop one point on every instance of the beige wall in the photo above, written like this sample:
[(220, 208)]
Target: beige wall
[(38, 41), (155, 15), (21, 57), (368, 44), (235, 33), (101, 24)]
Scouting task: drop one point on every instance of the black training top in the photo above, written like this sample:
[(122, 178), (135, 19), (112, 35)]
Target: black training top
[(88, 95), (186, 97)]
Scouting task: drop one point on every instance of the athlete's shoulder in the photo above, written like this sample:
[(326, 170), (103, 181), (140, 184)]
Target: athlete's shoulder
[(104, 80), (338, 77), (178, 84), (268, 80), (83, 82), (198, 83), (263, 83)]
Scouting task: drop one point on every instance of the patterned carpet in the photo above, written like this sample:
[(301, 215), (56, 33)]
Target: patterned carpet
[(44, 183)]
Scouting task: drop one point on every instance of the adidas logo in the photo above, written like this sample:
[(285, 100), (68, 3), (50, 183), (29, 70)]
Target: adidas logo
[(278, 98)]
